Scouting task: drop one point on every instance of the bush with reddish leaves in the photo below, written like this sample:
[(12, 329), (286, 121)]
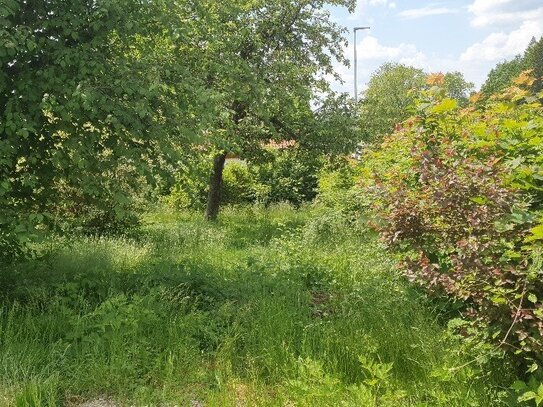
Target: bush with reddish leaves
[(459, 194)]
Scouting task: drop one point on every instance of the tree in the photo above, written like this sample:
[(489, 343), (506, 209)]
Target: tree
[(386, 100), (534, 60), (504, 73), (96, 95), (267, 61), (392, 89), (456, 87)]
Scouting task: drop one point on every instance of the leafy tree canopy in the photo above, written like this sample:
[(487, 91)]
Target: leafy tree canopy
[(96, 95), (267, 66), (392, 90), (505, 72), (100, 97)]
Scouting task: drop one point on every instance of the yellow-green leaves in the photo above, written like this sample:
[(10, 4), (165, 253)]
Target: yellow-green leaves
[(536, 234), (446, 105)]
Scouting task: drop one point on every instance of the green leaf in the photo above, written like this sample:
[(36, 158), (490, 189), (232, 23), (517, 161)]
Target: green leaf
[(499, 300), (529, 395), (480, 200), (519, 386), (539, 396), (446, 105), (537, 234), (533, 367)]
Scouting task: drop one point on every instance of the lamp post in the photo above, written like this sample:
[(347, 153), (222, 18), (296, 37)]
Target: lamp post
[(356, 64)]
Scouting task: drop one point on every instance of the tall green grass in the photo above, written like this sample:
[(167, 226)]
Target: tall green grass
[(268, 307)]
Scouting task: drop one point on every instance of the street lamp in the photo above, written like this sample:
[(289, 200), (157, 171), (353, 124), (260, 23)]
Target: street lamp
[(356, 64)]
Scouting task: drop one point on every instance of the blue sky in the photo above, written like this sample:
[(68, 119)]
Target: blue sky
[(470, 36)]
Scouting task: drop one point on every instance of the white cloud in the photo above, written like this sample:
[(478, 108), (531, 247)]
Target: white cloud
[(511, 24), (378, 2), (504, 12), (425, 12), (370, 49), (360, 11), (372, 54), (500, 45)]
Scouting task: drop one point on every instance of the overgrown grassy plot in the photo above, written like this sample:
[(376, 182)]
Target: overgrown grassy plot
[(268, 307)]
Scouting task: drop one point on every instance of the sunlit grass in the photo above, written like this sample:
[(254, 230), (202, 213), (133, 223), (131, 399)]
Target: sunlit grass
[(268, 307)]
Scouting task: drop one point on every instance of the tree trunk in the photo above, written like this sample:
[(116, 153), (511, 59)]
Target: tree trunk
[(215, 187)]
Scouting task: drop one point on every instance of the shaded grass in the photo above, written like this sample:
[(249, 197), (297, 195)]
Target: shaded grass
[(267, 307)]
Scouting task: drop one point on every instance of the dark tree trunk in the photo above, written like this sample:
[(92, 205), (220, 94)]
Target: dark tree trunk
[(215, 181), (215, 187)]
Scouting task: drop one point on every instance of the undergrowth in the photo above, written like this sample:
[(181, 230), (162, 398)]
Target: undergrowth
[(268, 307)]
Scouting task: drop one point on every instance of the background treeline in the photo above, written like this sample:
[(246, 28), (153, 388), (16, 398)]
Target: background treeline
[(502, 75)]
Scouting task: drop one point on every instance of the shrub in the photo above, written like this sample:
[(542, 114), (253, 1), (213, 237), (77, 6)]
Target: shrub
[(284, 176), (239, 185), (459, 193), (292, 176), (339, 191), (13, 237), (112, 209)]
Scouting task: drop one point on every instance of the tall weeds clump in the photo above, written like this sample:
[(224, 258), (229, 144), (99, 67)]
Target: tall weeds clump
[(459, 193)]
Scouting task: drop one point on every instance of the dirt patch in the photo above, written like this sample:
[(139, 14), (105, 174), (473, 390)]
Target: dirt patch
[(99, 402)]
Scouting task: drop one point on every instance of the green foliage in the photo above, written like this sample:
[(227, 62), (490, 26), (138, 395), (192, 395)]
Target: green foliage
[(267, 65), (502, 76), (530, 393), (338, 190), (255, 310), (94, 102), (104, 98), (391, 92), (290, 176), (239, 185), (457, 88), (190, 185), (459, 194), (534, 59), (335, 130)]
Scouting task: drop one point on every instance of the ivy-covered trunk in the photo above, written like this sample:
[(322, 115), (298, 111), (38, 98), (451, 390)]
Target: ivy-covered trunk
[(215, 187)]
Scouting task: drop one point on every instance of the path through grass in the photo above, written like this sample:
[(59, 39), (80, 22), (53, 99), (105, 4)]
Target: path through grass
[(265, 308)]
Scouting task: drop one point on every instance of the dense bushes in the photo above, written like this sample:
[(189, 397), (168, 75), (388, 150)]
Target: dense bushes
[(239, 185), (339, 192), (285, 176), (292, 176), (459, 193), (191, 183), (503, 74)]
